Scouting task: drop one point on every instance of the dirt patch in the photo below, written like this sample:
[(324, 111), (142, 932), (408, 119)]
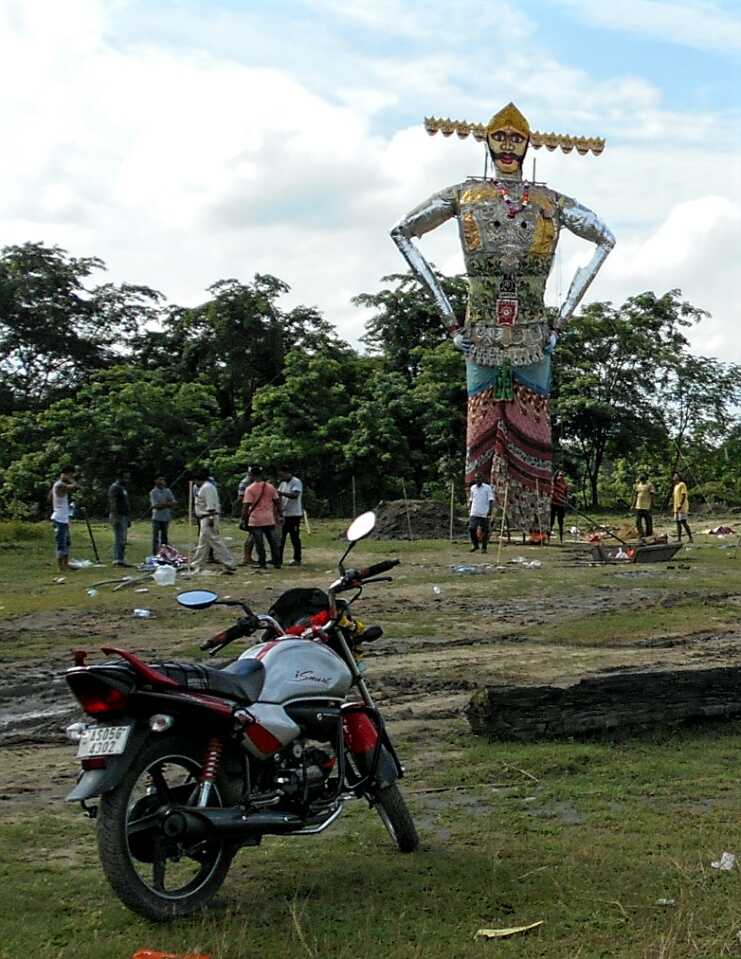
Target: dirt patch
[(417, 519)]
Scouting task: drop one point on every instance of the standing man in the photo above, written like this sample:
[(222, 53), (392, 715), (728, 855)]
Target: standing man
[(291, 491), (161, 501), (681, 507), (643, 504), (481, 499), (120, 515), (208, 509), (249, 543), (259, 513), (559, 501), (59, 496)]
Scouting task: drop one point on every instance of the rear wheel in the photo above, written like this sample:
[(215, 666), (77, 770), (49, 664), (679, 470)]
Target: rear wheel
[(156, 876), (396, 817)]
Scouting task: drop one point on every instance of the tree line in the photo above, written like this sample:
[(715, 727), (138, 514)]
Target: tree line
[(111, 375)]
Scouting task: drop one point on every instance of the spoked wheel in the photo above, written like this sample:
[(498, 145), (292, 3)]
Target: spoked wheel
[(396, 817), (156, 876)]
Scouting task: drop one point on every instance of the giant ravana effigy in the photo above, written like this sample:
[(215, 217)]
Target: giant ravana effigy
[(509, 231)]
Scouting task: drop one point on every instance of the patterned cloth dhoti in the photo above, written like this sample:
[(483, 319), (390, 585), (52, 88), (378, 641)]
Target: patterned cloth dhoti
[(509, 441)]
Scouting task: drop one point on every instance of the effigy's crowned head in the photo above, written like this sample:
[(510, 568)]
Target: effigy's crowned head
[(508, 137)]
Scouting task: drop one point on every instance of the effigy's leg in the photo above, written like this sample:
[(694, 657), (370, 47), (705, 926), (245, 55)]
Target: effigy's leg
[(510, 439)]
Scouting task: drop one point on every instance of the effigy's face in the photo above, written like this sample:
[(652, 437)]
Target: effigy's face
[(508, 149)]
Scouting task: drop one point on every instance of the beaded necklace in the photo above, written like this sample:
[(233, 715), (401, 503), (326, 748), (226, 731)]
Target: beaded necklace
[(513, 208)]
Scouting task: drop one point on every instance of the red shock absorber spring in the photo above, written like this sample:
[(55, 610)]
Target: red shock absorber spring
[(212, 760)]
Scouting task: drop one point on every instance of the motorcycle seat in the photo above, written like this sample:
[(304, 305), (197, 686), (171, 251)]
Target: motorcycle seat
[(241, 680)]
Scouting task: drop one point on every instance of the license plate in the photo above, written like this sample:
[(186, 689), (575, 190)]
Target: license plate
[(103, 741)]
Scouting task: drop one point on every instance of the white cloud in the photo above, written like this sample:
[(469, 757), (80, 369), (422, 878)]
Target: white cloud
[(701, 24), (181, 166)]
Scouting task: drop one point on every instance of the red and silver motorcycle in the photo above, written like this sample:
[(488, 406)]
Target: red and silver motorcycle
[(191, 763)]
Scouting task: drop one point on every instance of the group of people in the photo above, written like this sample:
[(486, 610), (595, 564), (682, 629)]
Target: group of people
[(482, 504), (643, 504), (265, 510)]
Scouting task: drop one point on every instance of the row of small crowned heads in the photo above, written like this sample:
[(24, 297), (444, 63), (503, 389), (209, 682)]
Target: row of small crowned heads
[(551, 141)]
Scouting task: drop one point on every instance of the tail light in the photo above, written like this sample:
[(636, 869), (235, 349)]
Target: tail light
[(96, 697)]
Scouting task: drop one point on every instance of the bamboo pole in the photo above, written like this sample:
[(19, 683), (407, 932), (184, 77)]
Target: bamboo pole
[(190, 521), (406, 508), (504, 520), (452, 507), (306, 522), (540, 517), (354, 498)]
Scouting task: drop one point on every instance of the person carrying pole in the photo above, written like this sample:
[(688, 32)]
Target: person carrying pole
[(643, 504), (59, 496)]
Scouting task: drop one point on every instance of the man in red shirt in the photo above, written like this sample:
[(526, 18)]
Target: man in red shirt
[(559, 501), (261, 510)]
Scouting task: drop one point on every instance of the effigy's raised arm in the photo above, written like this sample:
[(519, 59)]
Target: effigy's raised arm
[(427, 216), (582, 222)]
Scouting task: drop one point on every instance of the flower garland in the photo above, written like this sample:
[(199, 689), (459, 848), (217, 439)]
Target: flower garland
[(513, 208)]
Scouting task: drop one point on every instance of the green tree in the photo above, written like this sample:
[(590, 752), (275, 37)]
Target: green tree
[(405, 318), (123, 417), (237, 341), (56, 328), (612, 372)]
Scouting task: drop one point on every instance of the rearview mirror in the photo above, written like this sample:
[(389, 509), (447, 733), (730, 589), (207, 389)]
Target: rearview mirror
[(361, 526), (197, 598)]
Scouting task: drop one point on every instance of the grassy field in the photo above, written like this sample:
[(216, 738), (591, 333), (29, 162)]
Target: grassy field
[(609, 843)]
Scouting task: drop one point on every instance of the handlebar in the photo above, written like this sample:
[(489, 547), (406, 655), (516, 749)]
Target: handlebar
[(245, 626), (377, 568)]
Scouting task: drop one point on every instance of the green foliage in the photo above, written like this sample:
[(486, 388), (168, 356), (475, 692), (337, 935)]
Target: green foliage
[(123, 417), (16, 531), (106, 376), (54, 328)]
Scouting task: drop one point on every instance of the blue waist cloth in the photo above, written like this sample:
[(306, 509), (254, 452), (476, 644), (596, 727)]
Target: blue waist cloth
[(536, 376)]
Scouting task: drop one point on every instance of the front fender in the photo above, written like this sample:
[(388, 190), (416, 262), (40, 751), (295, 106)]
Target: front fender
[(95, 782)]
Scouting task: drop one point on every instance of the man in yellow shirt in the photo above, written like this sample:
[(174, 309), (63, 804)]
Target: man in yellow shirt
[(643, 503), (681, 507)]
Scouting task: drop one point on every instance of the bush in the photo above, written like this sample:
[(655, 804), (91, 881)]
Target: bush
[(16, 531)]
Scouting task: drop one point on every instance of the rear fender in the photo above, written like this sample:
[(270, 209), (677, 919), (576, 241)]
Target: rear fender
[(95, 782)]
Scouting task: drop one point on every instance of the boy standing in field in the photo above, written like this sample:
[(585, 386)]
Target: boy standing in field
[(291, 490), (681, 507), (643, 504), (59, 496)]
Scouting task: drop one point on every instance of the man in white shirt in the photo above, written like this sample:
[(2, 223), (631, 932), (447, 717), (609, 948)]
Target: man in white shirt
[(291, 491), (482, 501), (208, 507), (59, 496)]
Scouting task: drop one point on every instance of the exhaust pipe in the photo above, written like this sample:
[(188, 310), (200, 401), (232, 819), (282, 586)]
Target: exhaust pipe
[(195, 824)]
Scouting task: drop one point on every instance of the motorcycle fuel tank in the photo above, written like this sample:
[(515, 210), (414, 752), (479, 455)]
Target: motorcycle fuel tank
[(297, 668)]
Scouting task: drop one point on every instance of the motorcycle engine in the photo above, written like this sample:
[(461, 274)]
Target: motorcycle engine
[(303, 771)]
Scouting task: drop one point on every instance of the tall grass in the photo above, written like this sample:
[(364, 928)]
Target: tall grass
[(18, 531)]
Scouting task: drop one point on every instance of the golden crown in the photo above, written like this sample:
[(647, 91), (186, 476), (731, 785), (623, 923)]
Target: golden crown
[(510, 116)]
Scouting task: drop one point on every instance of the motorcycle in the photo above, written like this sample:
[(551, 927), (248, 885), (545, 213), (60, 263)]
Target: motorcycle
[(190, 763)]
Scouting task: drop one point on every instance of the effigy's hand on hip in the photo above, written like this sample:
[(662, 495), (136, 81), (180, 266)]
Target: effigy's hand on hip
[(462, 343)]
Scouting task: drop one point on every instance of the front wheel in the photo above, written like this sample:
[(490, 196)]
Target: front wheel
[(396, 817), (155, 876)]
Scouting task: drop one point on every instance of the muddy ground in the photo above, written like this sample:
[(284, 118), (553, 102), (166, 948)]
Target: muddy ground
[(446, 634)]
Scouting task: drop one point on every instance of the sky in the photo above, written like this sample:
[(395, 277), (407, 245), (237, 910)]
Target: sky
[(185, 142)]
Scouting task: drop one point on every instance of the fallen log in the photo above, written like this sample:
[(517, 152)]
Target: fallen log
[(612, 703)]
